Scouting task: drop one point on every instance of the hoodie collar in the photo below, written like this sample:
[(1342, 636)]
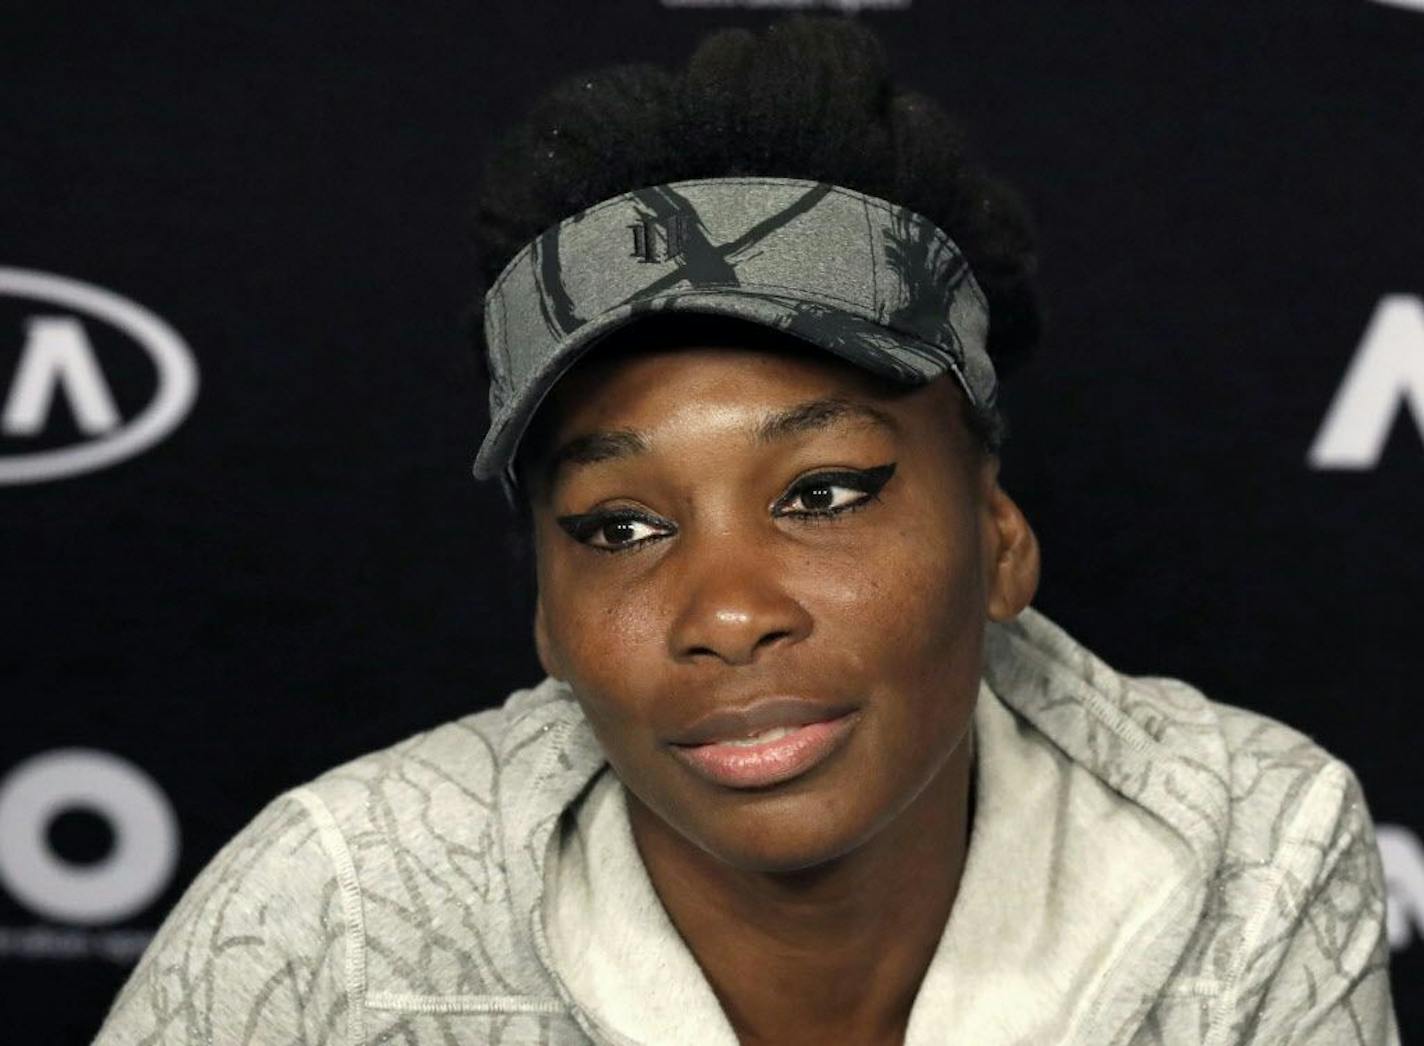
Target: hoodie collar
[(1084, 933)]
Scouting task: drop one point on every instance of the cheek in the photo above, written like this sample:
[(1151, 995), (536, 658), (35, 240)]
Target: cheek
[(907, 619), (911, 592), (607, 640)]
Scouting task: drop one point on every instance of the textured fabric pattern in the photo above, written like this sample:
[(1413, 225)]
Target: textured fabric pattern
[(256, 950), (865, 279), (401, 897), (1022, 958)]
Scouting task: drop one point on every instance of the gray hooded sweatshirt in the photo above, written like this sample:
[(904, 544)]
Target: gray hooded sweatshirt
[(1145, 866)]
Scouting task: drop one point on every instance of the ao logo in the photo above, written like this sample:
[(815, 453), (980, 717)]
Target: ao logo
[(57, 356), (1386, 375), (136, 870)]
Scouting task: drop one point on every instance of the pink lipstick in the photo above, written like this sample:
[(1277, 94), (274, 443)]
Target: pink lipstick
[(770, 756)]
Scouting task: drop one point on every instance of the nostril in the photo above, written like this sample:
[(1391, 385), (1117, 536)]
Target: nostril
[(771, 637)]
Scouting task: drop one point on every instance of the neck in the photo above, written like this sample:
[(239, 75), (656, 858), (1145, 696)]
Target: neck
[(835, 952)]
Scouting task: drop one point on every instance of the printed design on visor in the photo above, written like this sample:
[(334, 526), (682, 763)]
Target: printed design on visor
[(872, 282)]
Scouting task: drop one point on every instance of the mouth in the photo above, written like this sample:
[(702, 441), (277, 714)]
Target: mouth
[(771, 756)]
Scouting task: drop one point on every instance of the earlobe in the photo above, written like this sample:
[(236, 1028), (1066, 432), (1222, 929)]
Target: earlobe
[(1014, 558)]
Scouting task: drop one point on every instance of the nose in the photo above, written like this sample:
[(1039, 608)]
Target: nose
[(733, 607)]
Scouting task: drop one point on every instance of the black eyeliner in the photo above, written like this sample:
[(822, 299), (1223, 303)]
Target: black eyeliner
[(868, 481), (584, 524)]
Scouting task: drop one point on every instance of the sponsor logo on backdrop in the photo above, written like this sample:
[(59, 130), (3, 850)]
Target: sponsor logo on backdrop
[(80, 896), (1385, 379), (1403, 857), (58, 360)]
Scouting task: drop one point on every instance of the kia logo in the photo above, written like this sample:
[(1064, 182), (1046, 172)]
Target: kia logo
[(57, 359)]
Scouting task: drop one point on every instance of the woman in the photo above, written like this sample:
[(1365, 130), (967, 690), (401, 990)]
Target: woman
[(807, 766)]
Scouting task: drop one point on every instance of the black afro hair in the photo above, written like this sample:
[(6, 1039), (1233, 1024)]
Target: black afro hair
[(810, 97)]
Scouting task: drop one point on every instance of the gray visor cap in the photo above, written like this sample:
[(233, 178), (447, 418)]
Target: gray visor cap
[(872, 282)]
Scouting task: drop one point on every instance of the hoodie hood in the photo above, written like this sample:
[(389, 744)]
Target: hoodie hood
[(1145, 866), (1063, 741)]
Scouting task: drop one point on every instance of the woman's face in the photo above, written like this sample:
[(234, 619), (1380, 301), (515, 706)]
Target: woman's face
[(727, 523)]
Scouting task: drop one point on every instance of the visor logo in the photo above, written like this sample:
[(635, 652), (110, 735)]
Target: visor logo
[(658, 239)]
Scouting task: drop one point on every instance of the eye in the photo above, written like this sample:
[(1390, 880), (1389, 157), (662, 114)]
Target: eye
[(831, 493), (614, 531)]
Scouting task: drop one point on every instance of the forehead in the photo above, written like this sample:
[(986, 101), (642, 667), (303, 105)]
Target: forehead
[(663, 365), (672, 347)]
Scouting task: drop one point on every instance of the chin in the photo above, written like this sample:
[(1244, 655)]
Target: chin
[(772, 841), (789, 864), (784, 860)]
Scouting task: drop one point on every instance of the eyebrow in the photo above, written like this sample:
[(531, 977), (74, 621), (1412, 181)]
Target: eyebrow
[(796, 420)]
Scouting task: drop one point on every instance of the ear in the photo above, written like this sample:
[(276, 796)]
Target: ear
[(548, 660), (1011, 556)]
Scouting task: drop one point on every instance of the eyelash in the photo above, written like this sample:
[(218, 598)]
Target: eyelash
[(867, 481)]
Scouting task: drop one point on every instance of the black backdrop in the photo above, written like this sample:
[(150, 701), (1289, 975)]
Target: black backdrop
[(301, 568)]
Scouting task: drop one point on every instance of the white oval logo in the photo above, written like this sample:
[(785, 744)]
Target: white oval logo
[(128, 879), (57, 356)]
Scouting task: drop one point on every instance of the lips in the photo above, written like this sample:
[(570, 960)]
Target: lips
[(765, 743), (772, 758), (768, 713)]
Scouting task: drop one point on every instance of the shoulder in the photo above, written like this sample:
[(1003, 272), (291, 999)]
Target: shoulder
[(1230, 779), (386, 879), (1291, 941), (442, 787), (256, 945), (1290, 883), (1245, 788), (1280, 783), (1291, 804), (436, 840), (1293, 935), (1287, 790), (448, 778)]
